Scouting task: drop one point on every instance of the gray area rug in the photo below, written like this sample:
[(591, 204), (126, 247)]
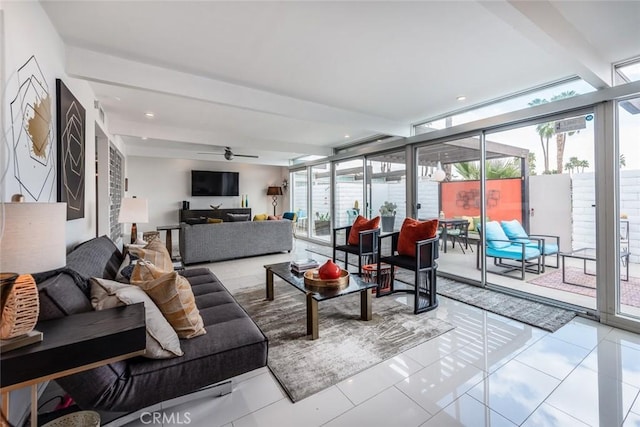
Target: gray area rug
[(347, 345), (530, 312)]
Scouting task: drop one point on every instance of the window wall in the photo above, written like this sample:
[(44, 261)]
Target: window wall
[(550, 170), (529, 98)]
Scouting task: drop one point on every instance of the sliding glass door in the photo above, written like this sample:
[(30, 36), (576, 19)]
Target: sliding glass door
[(448, 188), (348, 191), (387, 189), (299, 204), (320, 219), (627, 294), (542, 188)]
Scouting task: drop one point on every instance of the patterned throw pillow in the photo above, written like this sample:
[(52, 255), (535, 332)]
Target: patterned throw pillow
[(362, 224), (162, 340), (156, 253), (173, 295), (413, 231)]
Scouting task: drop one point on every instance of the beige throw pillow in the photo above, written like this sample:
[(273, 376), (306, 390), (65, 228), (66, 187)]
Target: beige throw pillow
[(156, 253), (173, 295), (162, 340)]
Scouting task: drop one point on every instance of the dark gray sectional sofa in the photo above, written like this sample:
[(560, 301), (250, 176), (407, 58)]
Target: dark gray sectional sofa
[(229, 240), (232, 345)]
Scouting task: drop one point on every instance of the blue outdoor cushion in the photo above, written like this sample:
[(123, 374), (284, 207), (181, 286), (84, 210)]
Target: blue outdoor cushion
[(514, 231), (549, 248), (494, 232), (513, 251), (289, 215)]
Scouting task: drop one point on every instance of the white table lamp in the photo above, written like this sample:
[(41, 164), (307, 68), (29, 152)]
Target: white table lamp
[(133, 210)]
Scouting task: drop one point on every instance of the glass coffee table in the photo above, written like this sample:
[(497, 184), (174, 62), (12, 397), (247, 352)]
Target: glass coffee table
[(356, 284), (589, 254)]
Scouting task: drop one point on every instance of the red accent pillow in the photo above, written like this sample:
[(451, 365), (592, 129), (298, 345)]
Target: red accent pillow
[(413, 231), (362, 224)]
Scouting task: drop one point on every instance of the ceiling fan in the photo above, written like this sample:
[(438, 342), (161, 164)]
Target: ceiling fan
[(229, 155)]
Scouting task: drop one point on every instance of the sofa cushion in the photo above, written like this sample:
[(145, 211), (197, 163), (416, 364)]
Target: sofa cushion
[(173, 296), (237, 217), (413, 231), (514, 231), (496, 237), (98, 257), (61, 293), (162, 340), (362, 224), (260, 217)]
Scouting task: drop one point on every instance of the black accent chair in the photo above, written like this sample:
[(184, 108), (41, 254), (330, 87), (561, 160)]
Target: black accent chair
[(459, 232), (367, 246), (424, 264)]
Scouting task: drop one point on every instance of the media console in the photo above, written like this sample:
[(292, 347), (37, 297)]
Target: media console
[(212, 213)]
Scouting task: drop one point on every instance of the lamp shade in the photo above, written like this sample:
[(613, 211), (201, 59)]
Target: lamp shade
[(34, 238), (133, 210), (274, 191)]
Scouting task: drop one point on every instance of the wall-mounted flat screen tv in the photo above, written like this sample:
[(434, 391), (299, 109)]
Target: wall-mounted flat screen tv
[(212, 183)]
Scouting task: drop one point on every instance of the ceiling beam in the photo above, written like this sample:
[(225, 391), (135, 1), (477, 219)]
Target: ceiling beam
[(544, 25), (189, 136), (108, 69)]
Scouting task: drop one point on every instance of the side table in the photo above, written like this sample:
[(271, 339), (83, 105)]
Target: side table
[(168, 239), (70, 345)]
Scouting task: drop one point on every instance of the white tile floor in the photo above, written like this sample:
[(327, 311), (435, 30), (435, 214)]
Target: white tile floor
[(489, 371)]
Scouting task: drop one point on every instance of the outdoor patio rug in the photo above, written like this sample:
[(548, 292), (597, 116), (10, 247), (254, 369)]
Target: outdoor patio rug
[(530, 312), (347, 345), (629, 295)]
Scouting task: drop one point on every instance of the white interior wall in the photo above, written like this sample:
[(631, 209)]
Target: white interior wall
[(28, 32), (167, 182)]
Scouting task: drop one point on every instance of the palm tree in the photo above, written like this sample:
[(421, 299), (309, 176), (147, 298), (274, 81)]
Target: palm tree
[(546, 131), (495, 169), (623, 161), (583, 164), (561, 137)]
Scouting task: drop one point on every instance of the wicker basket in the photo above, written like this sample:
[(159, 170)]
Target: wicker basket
[(20, 312), (76, 419)]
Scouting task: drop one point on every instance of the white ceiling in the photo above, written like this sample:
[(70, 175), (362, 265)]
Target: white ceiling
[(285, 79)]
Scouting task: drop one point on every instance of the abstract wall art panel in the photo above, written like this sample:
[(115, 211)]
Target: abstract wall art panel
[(32, 132), (71, 154)]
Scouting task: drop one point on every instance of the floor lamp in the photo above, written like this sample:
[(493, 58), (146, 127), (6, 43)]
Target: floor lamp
[(275, 192)]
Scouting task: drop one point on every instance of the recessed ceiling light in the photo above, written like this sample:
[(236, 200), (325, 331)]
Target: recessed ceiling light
[(149, 114), (461, 98), (117, 98), (144, 138), (347, 136)]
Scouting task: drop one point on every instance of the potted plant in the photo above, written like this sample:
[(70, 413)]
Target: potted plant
[(322, 223), (388, 214)]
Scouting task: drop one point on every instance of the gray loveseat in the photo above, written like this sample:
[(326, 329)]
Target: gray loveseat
[(232, 345), (228, 240)]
